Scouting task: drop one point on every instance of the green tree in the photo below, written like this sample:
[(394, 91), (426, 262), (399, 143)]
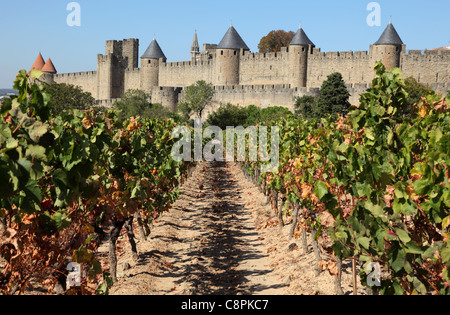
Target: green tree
[(333, 97), (416, 90), (253, 115), (66, 96), (228, 116), (234, 116), (135, 103), (197, 97), (304, 107), (273, 113), (273, 41)]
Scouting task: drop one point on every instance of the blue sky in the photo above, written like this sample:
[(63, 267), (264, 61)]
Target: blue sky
[(28, 27)]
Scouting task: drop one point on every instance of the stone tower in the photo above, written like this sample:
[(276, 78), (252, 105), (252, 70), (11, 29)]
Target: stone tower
[(49, 72), (119, 56), (195, 49), (228, 58), (46, 67), (299, 49), (388, 48), (150, 62), (130, 51)]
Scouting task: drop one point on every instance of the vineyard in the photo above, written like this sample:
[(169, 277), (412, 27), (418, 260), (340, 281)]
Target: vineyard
[(66, 178), (371, 188), (375, 185)]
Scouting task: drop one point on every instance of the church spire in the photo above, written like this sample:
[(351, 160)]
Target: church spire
[(195, 48)]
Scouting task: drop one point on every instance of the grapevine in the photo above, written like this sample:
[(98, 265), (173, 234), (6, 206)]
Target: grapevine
[(373, 186), (66, 177)]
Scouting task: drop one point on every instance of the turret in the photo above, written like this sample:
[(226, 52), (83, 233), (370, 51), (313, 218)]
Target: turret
[(299, 49), (49, 72), (388, 48), (47, 67), (38, 63), (150, 62), (228, 58)]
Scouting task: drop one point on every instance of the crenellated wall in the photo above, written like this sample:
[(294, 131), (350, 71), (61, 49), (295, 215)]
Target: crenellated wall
[(87, 81), (430, 67), (132, 79), (269, 68), (166, 96), (355, 67), (182, 74), (245, 78)]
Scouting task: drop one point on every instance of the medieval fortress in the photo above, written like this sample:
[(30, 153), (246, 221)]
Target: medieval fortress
[(244, 78)]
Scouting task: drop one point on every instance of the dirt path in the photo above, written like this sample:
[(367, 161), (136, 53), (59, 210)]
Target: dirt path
[(216, 241)]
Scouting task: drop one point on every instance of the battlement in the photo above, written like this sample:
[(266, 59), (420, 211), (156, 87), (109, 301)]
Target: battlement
[(427, 55), (185, 73), (133, 71), (333, 55), (186, 64), (247, 55), (445, 53), (244, 77), (75, 74), (104, 58), (252, 88), (166, 96)]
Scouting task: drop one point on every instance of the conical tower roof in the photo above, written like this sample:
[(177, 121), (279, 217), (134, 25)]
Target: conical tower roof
[(49, 67), (389, 36), (301, 39), (154, 51), (232, 40), (39, 63)]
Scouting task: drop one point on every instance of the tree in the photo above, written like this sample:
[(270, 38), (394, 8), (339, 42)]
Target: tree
[(228, 116), (275, 40), (66, 96), (416, 90), (233, 116), (197, 97), (135, 103), (273, 113), (333, 97), (305, 107)]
